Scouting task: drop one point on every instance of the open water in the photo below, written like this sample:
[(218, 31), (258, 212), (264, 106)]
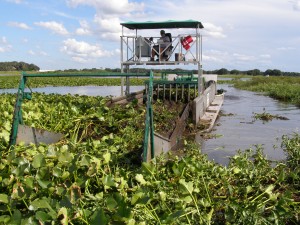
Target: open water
[(80, 90), (238, 129)]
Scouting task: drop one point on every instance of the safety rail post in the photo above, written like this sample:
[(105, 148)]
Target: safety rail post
[(17, 117), (149, 127)]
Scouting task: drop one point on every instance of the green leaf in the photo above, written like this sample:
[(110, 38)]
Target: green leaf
[(16, 218), (85, 160), (51, 153), (65, 175), (124, 212), (108, 181), (162, 195), (98, 218), (175, 215), (148, 168), (39, 204), (140, 179), (29, 221), (111, 203), (187, 186), (236, 170), (4, 198), (43, 183), (65, 157), (92, 169), (136, 197), (106, 157), (39, 161), (42, 173), (269, 189), (28, 181), (4, 219), (188, 199), (57, 172)]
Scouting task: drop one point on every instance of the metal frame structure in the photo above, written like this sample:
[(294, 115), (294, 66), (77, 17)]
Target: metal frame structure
[(136, 49)]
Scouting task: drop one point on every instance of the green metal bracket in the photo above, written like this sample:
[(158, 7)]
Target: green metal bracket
[(27, 95), (17, 117), (178, 72), (149, 126)]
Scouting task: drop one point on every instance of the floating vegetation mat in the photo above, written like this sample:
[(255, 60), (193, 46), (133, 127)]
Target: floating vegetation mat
[(95, 175)]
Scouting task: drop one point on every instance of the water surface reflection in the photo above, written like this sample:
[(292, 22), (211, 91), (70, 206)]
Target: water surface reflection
[(80, 90)]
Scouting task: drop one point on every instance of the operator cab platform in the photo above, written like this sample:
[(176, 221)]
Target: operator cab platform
[(185, 46)]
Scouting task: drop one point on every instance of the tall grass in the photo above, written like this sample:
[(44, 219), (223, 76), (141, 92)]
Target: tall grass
[(282, 88)]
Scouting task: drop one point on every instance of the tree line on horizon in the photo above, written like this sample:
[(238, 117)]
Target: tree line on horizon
[(222, 71), (23, 66), (18, 66), (254, 72)]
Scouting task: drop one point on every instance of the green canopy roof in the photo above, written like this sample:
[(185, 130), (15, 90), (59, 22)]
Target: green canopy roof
[(163, 24)]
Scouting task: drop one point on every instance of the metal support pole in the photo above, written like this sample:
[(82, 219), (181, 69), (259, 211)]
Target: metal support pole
[(127, 91), (189, 92), (17, 117), (176, 92)]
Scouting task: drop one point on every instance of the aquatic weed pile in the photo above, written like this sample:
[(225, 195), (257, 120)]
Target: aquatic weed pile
[(94, 176)]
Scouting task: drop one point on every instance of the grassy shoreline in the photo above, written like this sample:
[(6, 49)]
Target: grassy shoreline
[(285, 89)]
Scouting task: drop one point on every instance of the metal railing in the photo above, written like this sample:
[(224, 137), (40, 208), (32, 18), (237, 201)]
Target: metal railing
[(149, 127)]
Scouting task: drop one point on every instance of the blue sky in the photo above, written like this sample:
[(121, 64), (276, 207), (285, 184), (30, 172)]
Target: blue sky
[(67, 34)]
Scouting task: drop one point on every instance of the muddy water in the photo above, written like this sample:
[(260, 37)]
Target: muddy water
[(238, 129)]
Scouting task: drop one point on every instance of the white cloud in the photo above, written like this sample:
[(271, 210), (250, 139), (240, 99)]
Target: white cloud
[(296, 4), (243, 57), (286, 48), (31, 52), (84, 28), (212, 30), (3, 40), (110, 7), (57, 28), (19, 25), (108, 16), (81, 51), (15, 1), (39, 53), (4, 45), (215, 55), (265, 56), (43, 53), (108, 29)]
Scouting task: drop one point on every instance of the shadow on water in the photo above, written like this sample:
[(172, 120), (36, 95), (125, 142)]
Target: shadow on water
[(237, 129)]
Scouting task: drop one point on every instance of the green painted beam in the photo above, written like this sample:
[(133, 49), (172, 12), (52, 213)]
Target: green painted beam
[(87, 75)]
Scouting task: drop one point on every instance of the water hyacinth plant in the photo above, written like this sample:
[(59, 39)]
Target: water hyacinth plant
[(95, 175)]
